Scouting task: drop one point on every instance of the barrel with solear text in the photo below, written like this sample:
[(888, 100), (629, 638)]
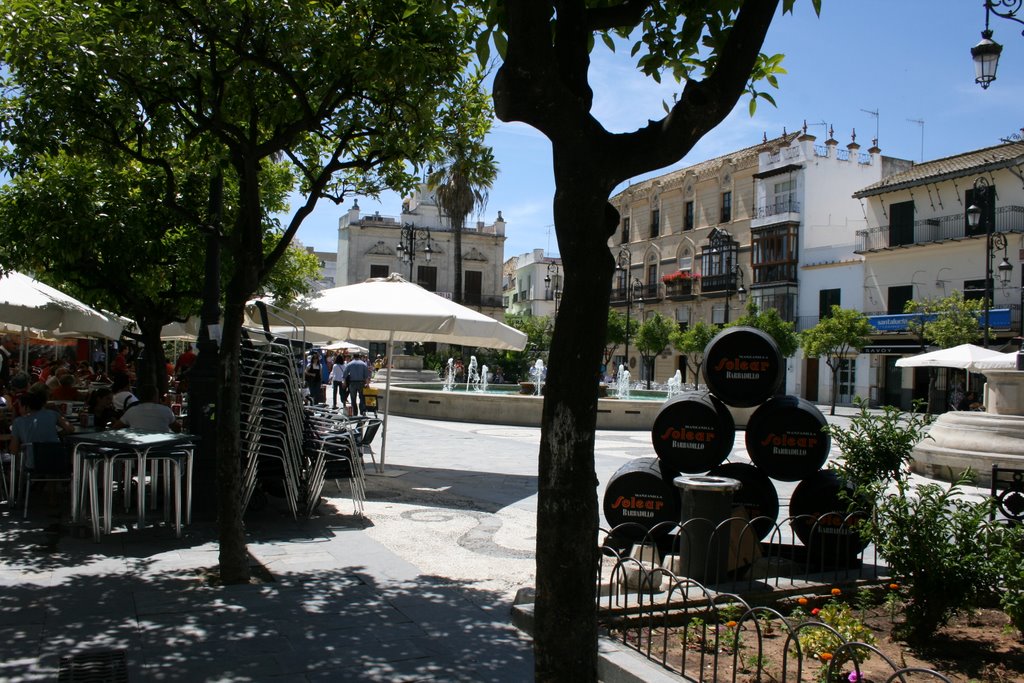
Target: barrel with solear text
[(692, 433), (785, 439), (638, 493), (743, 366)]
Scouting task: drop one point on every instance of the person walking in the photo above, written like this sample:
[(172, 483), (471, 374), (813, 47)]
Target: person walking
[(314, 378), (338, 382), (357, 373)]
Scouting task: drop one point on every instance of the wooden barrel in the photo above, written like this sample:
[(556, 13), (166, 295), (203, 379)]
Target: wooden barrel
[(743, 366), (638, 493), (820, 520), (692, 433), (785, 439), (757, 496)]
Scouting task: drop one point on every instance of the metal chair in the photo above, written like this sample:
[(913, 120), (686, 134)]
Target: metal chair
[(44, 462)]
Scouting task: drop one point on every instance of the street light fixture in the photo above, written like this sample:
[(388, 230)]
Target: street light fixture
[(986, 52), (993, 241), (622, 264), (407, 245), (741, 291), (552, 276)]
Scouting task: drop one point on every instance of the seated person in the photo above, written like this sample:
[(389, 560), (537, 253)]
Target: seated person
[(101, 406), (65, 390), (123, 396), (969, 402), (39, 424), (149, 413)]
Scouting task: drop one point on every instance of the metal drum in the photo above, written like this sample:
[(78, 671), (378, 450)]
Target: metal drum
[(785, 439), (692, 433), (743, 366)]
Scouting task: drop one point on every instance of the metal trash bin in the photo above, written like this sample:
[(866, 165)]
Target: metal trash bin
[(703, 540)]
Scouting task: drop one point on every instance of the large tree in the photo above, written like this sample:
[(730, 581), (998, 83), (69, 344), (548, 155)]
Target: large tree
[(652, 338), (71, 219), (836, 336), (465, 173), (692, 343), (713, 46), (346, 93)]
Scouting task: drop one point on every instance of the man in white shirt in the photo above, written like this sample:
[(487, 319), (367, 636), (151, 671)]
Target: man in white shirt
[(149, 414)]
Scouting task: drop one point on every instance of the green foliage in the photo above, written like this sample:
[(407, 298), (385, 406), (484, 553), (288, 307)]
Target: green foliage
[(815, 642), (955, 320), (692, 343), (940, 545), (835, 337), (772, 324), (876, 447), (652, 338), (516, 364), (616, 334), (1009, 559)]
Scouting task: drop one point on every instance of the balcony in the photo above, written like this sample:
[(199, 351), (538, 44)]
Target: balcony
[(679, 290), (780, 211), (640, 293), (719, 283), (934, 230)]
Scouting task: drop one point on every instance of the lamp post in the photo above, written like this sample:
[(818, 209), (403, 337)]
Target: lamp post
[(407, 245), (622, 265), (741, 291), (986, 53), (993, 241), (552, 277)]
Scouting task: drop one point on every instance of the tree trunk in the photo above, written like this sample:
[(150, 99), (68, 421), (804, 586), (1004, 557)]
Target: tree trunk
[(567, 510), (835, 389), (234, 558), (457, 246), (152, 367)]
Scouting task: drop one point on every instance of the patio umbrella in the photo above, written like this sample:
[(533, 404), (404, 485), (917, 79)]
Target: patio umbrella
[(394, 309), (962, 357), (1003, 361), (30, 303)]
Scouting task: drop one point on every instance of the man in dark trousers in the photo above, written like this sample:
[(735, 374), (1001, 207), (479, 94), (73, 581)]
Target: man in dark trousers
[(357, 374)]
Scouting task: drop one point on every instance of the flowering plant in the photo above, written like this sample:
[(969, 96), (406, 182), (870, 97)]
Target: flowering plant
[(680, 276)]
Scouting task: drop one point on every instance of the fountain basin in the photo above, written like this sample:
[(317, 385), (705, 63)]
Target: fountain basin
[(506, 407)]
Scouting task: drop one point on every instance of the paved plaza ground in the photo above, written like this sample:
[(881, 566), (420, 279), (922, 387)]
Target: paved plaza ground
[(418, 590)]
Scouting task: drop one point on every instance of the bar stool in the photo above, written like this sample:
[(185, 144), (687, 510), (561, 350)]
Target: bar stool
[(176, 466)]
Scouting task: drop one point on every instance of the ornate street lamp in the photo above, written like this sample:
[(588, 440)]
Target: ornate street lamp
[(622, 264), (993, 241), (986, 52), (741, 291), (407, 245), (552, 276)]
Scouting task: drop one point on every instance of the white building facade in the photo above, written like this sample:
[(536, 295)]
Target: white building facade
[(533, 284), (419, 245), (918, 244)]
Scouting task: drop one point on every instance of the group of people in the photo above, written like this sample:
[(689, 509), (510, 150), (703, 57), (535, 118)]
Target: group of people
[(346, 374)]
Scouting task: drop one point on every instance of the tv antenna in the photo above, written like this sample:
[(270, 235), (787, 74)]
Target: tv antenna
[(920, 122), (877, 119)]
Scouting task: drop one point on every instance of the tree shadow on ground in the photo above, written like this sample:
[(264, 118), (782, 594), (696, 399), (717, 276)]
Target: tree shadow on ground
[(144, 594)]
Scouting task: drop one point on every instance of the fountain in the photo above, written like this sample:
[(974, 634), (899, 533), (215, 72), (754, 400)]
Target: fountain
[(537, 375), (449, 376), (622, 383), (675, 384), (483, 379), (472, 376)]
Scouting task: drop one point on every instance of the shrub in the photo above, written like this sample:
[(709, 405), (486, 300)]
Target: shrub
[(939, 545), (1009, 559)]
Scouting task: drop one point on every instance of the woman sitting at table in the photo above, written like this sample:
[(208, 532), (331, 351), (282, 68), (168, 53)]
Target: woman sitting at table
[(101, 406), (39, 424), (65, 390), (149, 413)]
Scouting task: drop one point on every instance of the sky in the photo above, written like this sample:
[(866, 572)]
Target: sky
[(875, 66)]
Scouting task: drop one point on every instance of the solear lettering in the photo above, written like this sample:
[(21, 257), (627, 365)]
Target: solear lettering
[(694, 439)]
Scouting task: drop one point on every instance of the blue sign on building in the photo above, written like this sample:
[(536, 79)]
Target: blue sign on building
[(998, 318)]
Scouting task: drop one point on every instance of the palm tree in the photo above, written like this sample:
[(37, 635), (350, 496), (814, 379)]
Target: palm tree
[(463, 176)]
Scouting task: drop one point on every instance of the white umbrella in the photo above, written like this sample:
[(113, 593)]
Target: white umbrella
[(397, 310), (1004, 361), (346, 346), (962, 357), (30, 303)]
